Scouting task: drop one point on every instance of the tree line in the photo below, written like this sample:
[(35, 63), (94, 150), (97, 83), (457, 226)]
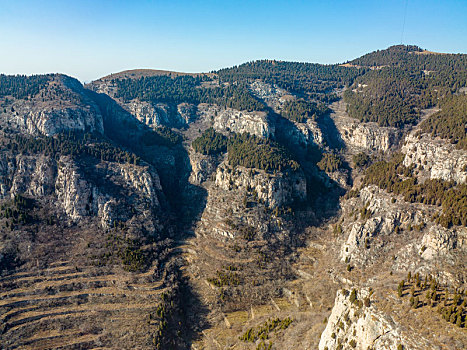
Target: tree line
[(246, 150), (22, 86), (186, 88), (301, 110), (73, 144), (394, 177), (404, 84)]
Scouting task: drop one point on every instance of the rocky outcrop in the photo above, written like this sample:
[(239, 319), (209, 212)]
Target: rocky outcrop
[(75, 195), (230, 120), (302, 134), (78, 193), (354, 325), (62, 107), (274, 190), (26, 174), (157, 114), (358, 136), (272, 95), (126, 190), (51, 122), (435, 158), (440, 241), (367, 136), (202, 167), (152, 114), (33, 175), (386, 217)]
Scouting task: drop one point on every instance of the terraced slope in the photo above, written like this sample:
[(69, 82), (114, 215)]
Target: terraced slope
[(65, 306)]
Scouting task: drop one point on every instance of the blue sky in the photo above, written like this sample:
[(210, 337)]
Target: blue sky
[(88, 39)]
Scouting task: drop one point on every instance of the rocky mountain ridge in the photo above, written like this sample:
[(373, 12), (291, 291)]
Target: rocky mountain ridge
[(267, 234)]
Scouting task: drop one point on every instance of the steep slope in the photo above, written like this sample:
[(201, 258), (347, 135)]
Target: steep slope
[(265, 206)]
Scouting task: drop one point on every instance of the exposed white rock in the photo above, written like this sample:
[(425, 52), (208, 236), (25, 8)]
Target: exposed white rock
[(68, 109), (125, 186), (440, 241), (231, 120), (353, 326), (157, 114), (186, 112), (74, 193), (33, 175), (272, 95), (438, 158), (274, 190), (304, 134), (202, 166), (26, 174), (386, 216), (51, 122), (368, 137)]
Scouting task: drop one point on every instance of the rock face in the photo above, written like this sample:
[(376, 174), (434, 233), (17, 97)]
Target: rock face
[(302, 134), (74, 193), (354, 326), (158, 114), (68, 109), (230, 120), (436, 158), (368, 136), (439, 241), (153, 114), (26, 174), (202, 166), (272, 95), (274, 190), (385, 219), (358, 136), (108, 190), (124, 191)]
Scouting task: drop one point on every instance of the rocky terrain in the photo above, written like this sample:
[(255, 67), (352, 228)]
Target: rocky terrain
[(242, 209)]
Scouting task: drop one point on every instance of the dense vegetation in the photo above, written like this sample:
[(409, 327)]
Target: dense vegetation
[(70, 144), (246, 150), (186, 88), (228, 276), (315, 80), (405, 83), (300, 110), (389, 98), (22, 86), (210, 142), (253, 152), (18, 211), (394, 177), (409, 57), (361, 159), (451, 122), (330, 162), (162, 136), (262, 331)]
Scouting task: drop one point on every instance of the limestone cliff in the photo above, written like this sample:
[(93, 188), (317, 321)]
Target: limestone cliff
[(384, 217), (354, 325), (358, 136), (111, 191), (62, 106), (435, 158), (231, 120), (275, 190)]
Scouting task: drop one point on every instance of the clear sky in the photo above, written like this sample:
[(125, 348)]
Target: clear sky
[(91, 38)]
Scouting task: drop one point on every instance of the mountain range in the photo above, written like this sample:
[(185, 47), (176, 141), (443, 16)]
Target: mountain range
[(270, 205)]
